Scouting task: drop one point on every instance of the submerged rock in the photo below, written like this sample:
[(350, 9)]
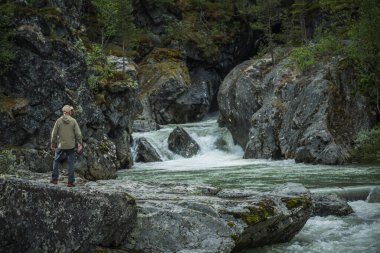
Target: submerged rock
[(180, 142), (145, 126), (374, 195), (37, 217), (277, 112), (325, 205), (145, 152)]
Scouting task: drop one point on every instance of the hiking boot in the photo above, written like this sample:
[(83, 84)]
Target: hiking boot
[(70, 184), (54, 181)]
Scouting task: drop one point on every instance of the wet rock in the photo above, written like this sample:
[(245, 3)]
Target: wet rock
[(164, 77), (201, 95), (98, 160), (170, 217), (180, 142), (182, 218), (276, 112), (325, 205), (374, 195), (145, 126), (40, 217), (145, 152)]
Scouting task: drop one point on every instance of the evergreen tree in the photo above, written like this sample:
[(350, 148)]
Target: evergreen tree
[(267, 14), (365, 49), (126, 27), (342, 13), (107, 18)]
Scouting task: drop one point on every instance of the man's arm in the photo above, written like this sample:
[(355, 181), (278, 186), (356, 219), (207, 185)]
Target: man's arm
[(78, 136), (54, 135)]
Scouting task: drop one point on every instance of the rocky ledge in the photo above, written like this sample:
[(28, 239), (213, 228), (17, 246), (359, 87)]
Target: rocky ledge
[(158, 218), (38, 217)]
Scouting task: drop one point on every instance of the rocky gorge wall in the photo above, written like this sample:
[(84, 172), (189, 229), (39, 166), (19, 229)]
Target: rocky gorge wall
[(191, 67), (279, 112), (49, 71)]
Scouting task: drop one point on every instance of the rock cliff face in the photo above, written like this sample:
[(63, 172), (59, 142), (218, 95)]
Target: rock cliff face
[(204, 72), (277, 112), (48, 72)]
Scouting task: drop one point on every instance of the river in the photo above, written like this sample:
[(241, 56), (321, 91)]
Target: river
[(220, 164)]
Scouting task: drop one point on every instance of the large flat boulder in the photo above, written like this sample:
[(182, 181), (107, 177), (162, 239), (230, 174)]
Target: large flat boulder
[(38, 217), (183, 218)]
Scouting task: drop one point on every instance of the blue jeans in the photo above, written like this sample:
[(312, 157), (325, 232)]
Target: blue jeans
[(70, 154)]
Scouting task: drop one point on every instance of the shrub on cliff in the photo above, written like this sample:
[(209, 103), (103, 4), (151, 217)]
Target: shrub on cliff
[(367, 146), (7, 162)]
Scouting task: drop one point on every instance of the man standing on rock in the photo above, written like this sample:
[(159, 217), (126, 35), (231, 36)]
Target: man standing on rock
[(66, 133)]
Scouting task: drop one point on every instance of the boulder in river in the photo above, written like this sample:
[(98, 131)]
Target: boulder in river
[(374, 195), (145, 152), (330, 205), (180, 142)]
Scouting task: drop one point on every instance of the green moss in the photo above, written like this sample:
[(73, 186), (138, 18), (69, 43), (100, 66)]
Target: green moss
[(231, 224), (163, 55), (295, 202), (250, 218), (258, 213), (235, 237), (104, 147), (162, 62)]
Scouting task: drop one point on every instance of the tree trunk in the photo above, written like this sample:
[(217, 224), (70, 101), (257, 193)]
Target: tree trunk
[(123, 58)]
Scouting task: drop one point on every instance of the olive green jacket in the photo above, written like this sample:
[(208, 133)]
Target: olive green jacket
[(66, 133)]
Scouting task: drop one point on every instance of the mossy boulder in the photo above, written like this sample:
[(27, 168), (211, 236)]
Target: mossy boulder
[(164, 77), (170, 92)]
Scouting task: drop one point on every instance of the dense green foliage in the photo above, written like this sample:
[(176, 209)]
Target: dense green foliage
[(116, 22), (365, 49), (367, 146), (205, 25), (9, 164), (267, 14)]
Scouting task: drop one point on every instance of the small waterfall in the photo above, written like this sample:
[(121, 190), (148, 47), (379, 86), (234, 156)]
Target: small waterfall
[(215, 142)]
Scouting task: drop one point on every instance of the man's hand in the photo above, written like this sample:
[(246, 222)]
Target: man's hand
[(79, 150), (52, 146)]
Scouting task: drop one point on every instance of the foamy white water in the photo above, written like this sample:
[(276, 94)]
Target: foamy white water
[(356, 233), (220, 164)]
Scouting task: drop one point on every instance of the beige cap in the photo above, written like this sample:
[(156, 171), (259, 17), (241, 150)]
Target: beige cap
[(67, 108)]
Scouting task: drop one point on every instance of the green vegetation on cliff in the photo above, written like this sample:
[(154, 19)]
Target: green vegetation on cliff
[(367, 146)]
